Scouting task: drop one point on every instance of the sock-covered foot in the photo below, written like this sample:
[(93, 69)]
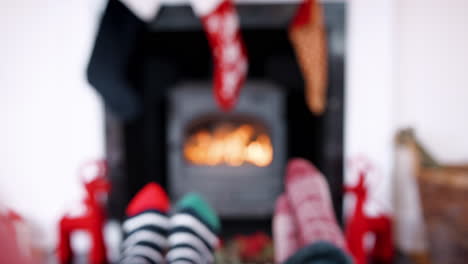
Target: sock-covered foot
[(193, 235), (309, 196), (146, 227), (285, 232)]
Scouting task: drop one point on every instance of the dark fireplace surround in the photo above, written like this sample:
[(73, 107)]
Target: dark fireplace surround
[(171, 71)]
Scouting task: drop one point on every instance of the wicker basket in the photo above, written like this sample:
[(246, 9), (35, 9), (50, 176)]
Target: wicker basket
[(444, 196)]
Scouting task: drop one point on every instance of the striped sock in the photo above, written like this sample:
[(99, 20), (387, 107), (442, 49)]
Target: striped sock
[(146, 227), (193, 235)]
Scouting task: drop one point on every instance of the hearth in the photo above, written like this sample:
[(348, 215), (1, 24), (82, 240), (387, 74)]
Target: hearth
[(236, 160), (171, 71)]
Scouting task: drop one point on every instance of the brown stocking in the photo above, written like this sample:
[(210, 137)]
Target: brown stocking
[(307, 34)]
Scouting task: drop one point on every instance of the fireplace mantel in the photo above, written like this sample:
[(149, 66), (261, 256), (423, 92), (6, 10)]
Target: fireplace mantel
[(257, 14)]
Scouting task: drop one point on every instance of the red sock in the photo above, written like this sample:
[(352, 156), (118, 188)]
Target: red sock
[(150, 197), (285, 232), (309, 197), (221, 24), (146, 227)]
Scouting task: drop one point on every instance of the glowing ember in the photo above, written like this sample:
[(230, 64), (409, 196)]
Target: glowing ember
[(230, 145)]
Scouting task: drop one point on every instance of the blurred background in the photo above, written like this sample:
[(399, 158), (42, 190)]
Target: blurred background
[(392, 65)]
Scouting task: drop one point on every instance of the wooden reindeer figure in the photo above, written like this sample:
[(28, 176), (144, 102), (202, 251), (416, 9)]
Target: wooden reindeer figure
[(90, 220)]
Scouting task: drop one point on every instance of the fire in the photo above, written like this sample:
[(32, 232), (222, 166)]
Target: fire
[(230, 145)]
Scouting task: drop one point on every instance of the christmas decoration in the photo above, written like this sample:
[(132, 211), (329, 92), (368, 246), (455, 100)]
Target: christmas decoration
[(308, 36), (221, 24), (90, 220), (360, 224), (109, 65)]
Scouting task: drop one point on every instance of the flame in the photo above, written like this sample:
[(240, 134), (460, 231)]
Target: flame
[(230, 145)]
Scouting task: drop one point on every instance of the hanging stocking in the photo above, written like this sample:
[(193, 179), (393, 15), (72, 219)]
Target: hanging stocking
[(307, 34), (221, 24), (108, 66)]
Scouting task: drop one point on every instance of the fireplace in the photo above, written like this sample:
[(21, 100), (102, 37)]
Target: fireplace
[(235, 160), (234, 142), (271, 121)]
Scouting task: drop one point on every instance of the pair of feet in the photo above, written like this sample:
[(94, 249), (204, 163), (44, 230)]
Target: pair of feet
[(156, 234), (304, 213)]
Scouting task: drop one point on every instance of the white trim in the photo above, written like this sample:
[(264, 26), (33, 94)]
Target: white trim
[(153, 219), (146, 10), (204, 7), (186, 220)]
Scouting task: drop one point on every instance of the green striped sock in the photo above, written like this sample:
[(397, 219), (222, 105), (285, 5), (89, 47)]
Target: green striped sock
[(193, 233), (199, 205)]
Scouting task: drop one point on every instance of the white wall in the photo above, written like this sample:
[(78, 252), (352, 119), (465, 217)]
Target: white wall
[(50, 119), (432, 81), (407, 62), (369, 85)]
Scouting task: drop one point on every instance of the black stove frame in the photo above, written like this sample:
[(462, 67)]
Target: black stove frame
[(175, 49)]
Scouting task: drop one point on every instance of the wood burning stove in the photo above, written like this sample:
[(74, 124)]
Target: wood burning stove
[(174, 81), (235, 160)]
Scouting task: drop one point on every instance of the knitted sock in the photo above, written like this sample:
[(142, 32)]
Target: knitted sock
[(285, 232), (309, 196), (193, 235), (146, 227), (221, 24)]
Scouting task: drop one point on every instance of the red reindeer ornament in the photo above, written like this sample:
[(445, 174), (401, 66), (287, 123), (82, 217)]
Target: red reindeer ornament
[(359, 225), (90, 220)]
